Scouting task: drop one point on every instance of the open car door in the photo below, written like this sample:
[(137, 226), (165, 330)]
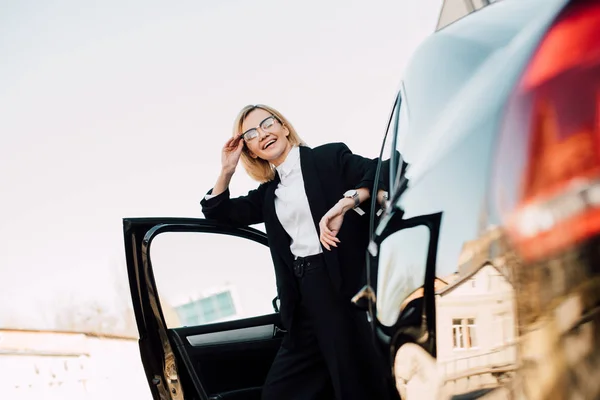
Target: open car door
[(204, 300)]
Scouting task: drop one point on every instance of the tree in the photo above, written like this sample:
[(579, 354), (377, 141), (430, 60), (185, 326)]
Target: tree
[(112, 314)]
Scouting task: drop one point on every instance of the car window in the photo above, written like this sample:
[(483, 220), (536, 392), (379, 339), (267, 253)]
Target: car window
[(399, 143), (391, 156), (388, 142), (203, 278)]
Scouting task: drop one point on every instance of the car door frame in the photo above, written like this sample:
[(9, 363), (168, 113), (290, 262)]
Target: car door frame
[(393, 221), (158, 356)]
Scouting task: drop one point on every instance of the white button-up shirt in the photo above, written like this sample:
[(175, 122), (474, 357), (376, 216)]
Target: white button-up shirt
[(292, 209)]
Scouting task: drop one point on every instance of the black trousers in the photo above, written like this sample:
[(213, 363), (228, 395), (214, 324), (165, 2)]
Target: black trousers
[(333, 355)]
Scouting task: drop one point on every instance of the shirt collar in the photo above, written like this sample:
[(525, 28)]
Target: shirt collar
[(287, 166)]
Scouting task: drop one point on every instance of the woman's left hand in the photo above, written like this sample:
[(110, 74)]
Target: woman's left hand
[(331, 223)]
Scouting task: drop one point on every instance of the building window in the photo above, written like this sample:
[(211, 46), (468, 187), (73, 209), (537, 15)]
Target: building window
[(206, 310), (463, 333)]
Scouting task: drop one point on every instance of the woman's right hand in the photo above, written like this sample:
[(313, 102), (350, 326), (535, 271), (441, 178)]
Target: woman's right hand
[(230, 154)]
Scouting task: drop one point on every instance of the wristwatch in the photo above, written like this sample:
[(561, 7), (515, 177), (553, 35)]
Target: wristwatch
[(353, 194)]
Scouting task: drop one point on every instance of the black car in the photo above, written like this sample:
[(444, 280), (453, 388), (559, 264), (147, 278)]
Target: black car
[(483, 276)]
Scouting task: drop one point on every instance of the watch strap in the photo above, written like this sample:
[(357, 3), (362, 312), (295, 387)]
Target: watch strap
[(359, 211)]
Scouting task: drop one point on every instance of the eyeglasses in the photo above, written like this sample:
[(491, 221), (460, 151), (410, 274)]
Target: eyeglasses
[(268, 125)]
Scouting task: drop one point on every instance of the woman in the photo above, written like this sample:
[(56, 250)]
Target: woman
[(306, 200)]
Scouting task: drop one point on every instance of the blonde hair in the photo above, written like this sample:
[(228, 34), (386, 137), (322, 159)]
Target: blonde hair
[(259, 169)]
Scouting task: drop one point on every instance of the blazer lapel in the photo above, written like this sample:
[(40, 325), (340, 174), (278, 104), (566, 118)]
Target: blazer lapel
[(278, 237), (312, 185), (318, 207)]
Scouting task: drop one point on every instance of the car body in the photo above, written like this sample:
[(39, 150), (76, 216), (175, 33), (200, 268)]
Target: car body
[(483, 272)]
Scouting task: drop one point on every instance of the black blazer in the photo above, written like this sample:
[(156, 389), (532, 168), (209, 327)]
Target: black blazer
[(328, 171)]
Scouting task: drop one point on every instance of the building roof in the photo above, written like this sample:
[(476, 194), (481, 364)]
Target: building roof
[(462, 279)]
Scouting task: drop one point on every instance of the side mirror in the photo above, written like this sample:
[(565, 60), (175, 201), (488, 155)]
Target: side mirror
[(403, 254), (401, 268), (363, 298)]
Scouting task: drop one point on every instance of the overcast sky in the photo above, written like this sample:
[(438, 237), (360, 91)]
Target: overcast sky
[(116, 109)]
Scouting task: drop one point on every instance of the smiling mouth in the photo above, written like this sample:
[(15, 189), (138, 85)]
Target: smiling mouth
[(269, 143)]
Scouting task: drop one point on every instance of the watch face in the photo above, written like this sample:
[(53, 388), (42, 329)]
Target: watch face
[(350, 193)]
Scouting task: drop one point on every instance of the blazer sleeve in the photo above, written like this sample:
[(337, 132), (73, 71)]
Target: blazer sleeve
[(358, 171), (241, 211)]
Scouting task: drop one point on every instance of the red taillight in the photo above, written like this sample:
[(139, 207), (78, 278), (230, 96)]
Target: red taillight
[(571, 43), (553, 127)]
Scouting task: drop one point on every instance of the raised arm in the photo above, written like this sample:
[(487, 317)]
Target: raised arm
[(217, 204)]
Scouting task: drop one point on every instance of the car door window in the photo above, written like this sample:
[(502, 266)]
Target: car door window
[(398, 156), (387, 156), (391, 159), (204, 278), (388, 139)]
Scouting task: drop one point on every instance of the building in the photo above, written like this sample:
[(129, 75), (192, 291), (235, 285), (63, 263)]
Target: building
[(209, 307), (69, 365), (476, 319)]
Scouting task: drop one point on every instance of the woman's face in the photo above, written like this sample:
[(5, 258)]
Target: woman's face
[(265, 137)]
